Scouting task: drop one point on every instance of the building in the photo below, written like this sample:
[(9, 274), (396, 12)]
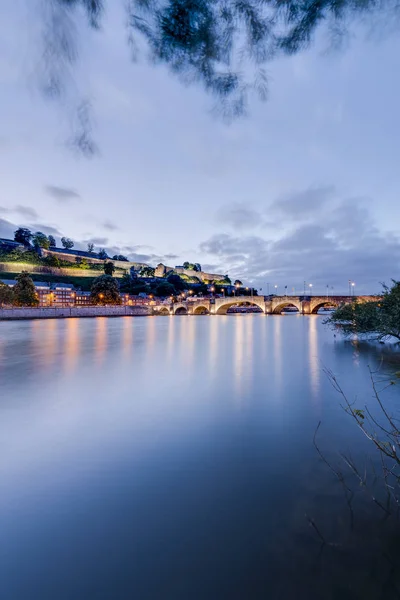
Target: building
[(62, 294), (83, 299), (7, 245)]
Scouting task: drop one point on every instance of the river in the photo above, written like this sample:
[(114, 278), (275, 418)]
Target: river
[(173, 458)]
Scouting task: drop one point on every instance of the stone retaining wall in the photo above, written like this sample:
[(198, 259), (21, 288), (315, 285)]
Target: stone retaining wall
[(83, 311)]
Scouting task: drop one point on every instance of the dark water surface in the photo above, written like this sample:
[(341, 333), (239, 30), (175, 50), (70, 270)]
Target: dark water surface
[(173, 458)]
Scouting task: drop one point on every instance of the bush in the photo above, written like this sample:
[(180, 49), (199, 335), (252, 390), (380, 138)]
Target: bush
[(380, 317)]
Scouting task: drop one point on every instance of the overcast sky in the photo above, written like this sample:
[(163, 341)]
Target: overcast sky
[(304, 188)]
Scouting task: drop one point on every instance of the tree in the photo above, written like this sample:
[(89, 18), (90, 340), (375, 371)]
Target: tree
[(146, 272), (52, 241), (177, 282), (23, 236), (120, 257), (201, 41), (379, 318), (102, 254), (191, 266), (238, 283), (164, 289), (90, 247), (6, 294), (40, 240), (125, 283), (67, 243), (24, 291), (105, 290), (81, 262), (53, 261), (109, 268)]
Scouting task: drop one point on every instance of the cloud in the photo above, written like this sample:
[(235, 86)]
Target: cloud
[(61, 194), (47, 229), (7, 229), (171, 256), (26, 211), (110, 226), (239, 216), (97, 241), (304, 203), (337, 242)]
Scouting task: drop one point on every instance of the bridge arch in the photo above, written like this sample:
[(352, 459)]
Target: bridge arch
[(222, 306), (317, 305), (278, 308), (201, 309), (163, 310), (180, 309)]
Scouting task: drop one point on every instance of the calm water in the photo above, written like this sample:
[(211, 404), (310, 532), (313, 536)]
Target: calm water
[(172, 458)]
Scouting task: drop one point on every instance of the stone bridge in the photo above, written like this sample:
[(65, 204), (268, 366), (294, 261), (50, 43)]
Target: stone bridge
[(269, 305)]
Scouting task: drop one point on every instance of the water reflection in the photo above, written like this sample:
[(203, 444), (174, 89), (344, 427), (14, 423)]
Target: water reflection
[(238, 355), (276, 351), (151, 478), (313, 360), (100, 342), (127, 337)]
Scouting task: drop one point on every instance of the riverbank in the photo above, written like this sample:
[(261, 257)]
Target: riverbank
[(11, 314)]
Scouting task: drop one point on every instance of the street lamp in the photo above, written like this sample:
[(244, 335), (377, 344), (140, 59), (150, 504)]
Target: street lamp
[(352, 288), (276, 289), (237, 286), (310, 286), (223, 291), (212, 290)]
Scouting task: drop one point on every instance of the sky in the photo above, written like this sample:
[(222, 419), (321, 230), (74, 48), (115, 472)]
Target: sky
[(303, 188)]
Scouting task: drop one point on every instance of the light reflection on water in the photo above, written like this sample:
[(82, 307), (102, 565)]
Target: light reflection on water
[(172, 457)]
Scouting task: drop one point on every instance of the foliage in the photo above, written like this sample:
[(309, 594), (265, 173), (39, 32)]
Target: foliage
[(222, 282), (139, 287), (164, 289), (53, 261), (120, 257), (24, 291), (102, 254), (109, 268), (177, 282), (90, 247), (22, 256), (146, 272), (125, 283), (23, 236), (52, 241), (380, 317), (382, 429), (192, 266), (105, 290), (40, 240), (213, 42), (237, 283), (6, 294), (67, 243), (82, 263)]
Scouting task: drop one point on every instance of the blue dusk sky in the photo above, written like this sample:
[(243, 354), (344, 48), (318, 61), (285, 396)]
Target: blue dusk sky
[(303, 188)]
